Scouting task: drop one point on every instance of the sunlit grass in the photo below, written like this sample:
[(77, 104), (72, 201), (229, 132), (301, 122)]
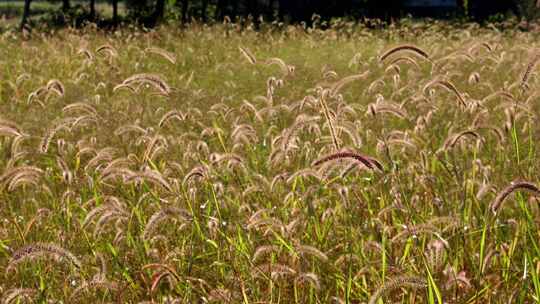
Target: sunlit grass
[(286, 165)]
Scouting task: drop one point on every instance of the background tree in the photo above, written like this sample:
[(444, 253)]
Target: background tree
[(26, 13), (221, 9), (204, 7), (151, 12), (528, 9), (92, 9), (115, 11), (66, 5), (185, 8), (159, 12)]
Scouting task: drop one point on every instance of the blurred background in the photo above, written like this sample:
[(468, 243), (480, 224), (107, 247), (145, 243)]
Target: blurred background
[(151, 12)]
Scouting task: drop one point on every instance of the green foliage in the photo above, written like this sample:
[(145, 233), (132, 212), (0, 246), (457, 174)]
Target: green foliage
[(529, 9)]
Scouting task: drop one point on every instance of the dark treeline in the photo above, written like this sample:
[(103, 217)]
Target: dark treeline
[(151, 12)]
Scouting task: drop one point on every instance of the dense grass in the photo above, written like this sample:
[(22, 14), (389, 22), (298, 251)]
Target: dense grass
[(204, 180)]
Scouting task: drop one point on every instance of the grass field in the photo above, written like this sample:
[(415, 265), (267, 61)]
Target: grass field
[(279, 166)]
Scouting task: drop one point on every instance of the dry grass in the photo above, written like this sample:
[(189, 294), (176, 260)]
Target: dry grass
[(283, 166)]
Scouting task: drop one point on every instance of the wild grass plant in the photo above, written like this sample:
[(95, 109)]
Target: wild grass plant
[(216, 164)]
